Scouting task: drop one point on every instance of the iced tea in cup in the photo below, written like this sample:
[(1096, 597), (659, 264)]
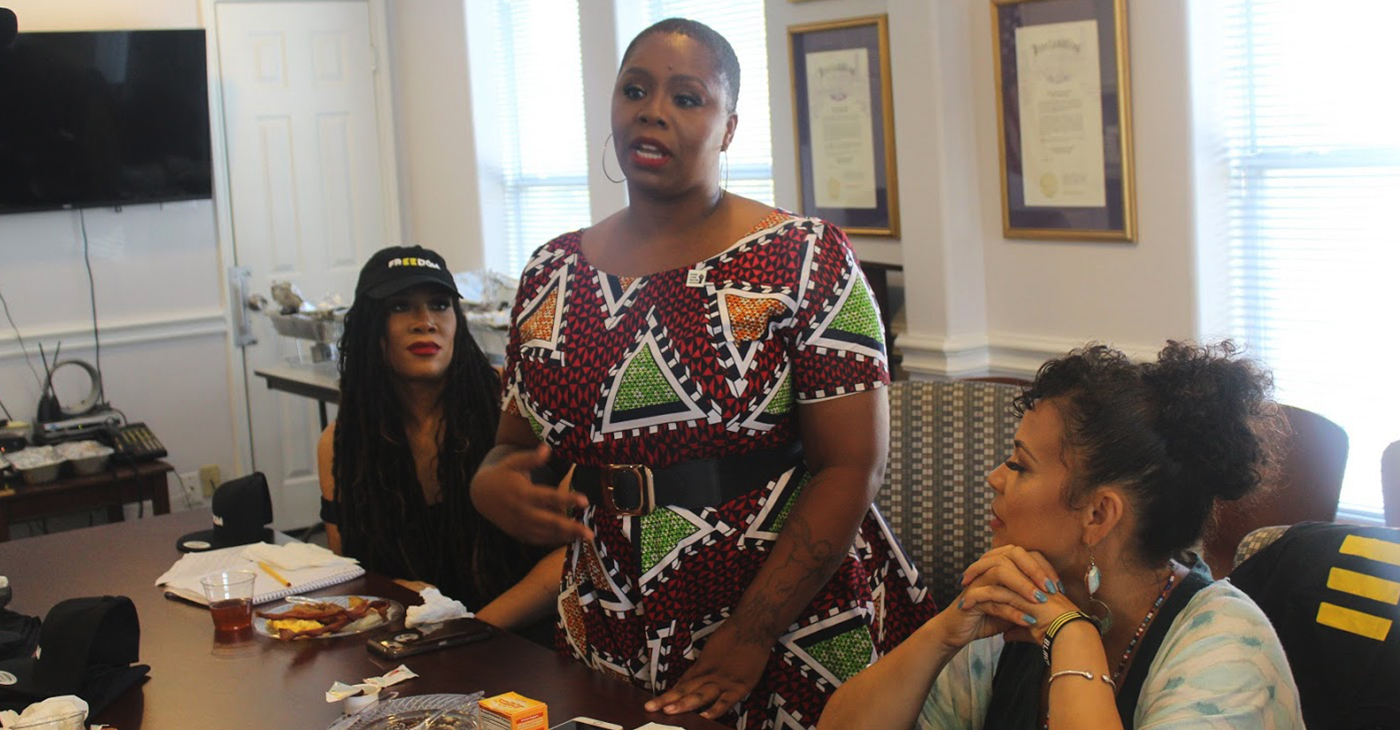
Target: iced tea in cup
[(230, 595)]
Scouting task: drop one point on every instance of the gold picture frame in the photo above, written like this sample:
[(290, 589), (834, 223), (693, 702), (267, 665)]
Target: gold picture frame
[(854, 146), (1064, 119)]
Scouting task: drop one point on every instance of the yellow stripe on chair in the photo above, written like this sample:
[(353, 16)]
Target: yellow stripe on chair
[(1366, 586), (1370, 547), (1355, 622)]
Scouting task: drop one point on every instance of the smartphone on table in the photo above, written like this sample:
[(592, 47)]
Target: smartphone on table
[(425, 638), (586, 723)]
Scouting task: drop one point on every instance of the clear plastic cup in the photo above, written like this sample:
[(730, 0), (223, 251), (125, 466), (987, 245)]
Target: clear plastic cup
[(70, 721), (230, 595)]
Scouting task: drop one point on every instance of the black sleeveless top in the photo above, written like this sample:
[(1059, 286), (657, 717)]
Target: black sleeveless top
[(1015, 700)]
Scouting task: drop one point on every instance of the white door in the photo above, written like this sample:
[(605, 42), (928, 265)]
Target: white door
[(306, 196)]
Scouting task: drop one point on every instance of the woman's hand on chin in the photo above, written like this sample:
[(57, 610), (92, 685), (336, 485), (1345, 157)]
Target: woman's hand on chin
[(1013, 590), (534, 513)]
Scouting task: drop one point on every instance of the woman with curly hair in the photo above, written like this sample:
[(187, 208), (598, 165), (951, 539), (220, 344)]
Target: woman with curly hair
[(1085, 614), (418, 411)]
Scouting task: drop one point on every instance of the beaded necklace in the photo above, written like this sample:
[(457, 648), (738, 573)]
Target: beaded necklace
[(1142, 628), (1137, 635)]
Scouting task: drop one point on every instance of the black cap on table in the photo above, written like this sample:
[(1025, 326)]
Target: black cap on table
[(242, 510)]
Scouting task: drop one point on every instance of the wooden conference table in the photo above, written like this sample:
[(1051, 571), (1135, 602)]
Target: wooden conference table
[(267, 683)]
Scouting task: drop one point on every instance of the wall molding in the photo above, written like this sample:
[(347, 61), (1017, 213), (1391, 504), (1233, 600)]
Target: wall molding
[(77, 336), (996, 353), (943, 357)]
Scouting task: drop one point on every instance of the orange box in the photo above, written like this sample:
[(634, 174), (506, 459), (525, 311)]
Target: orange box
[(511, 711)]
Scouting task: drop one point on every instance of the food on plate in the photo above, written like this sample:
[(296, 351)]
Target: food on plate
[(306, 620)]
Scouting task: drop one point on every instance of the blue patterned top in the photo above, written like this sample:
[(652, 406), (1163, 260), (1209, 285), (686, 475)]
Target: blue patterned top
[(1219, 666)]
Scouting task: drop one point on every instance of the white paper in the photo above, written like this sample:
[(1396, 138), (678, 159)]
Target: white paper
[(183, 577), (436, 608), (340, 690), (53, 707), (843, 138), (1058, 85), (293, 556)]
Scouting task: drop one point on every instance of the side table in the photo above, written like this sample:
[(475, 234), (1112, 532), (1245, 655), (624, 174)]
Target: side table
[(118, 485)]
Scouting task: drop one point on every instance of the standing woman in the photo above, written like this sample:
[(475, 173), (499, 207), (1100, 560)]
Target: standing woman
[(419, 404), (715, 368)]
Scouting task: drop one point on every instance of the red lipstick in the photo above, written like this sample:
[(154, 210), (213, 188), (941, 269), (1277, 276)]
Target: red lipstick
[(648, 152), (425, 348)]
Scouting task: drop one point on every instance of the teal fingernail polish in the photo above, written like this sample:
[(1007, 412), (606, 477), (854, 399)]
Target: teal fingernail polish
[(1061, 584), (1041, 597), (960, 603), (1029, 618), (1050, 586)]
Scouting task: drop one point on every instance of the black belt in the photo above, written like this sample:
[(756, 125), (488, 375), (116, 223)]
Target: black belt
[(635, 489)]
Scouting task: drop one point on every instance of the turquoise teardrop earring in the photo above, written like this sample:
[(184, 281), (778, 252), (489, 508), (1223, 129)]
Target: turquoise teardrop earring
[(1093, 580)]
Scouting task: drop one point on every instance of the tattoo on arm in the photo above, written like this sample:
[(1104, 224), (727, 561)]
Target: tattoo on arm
[(809, 561)]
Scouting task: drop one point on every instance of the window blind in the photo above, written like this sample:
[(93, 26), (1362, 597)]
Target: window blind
[(539, 93), (1314, 160), (741, 22)]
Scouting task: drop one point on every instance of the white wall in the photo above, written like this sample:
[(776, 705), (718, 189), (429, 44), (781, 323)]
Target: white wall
[(158, 286), (432, 102), (977, 301)]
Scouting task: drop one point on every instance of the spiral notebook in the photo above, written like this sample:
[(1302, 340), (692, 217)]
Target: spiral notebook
[(182, 580)]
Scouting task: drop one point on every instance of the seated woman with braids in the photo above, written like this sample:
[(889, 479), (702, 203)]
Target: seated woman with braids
[(419, 403), (1082, 614)]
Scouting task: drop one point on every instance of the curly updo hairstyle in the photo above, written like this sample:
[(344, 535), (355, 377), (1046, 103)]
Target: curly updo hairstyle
[(726, 61), (1195, 426)]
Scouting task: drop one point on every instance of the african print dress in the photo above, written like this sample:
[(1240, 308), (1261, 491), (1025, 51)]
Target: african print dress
[(707, 361)]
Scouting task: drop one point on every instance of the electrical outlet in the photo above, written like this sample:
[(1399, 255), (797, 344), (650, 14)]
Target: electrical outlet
[(209, 478), (189, 489)]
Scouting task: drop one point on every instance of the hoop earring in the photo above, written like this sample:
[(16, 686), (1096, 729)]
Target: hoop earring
[(1093, 579), (724, 162), (604, 160)]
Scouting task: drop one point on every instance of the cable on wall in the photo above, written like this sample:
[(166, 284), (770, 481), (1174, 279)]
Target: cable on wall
[(22, 348), (92, 300)]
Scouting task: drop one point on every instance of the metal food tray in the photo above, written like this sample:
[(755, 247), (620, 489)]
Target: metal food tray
[(302, 327)]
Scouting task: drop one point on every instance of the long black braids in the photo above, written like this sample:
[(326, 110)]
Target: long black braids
[(382, 510)]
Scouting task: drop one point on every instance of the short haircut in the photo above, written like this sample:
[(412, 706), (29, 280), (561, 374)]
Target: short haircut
[(719, 48)]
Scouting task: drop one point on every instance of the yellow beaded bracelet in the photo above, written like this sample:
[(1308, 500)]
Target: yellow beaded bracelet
[(1056, 624)]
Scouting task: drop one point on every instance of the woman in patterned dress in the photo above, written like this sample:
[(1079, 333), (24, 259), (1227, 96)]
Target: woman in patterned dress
[(1083, 614), (698, 332)]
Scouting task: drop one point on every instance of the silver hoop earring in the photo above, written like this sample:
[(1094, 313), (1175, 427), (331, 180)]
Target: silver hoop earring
[(604, 160), (724, 162)]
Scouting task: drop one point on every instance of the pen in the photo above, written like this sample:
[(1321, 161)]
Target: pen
[(268, 569)]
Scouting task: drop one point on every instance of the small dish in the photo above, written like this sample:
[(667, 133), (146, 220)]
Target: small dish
[(37, 464), (87, 457)]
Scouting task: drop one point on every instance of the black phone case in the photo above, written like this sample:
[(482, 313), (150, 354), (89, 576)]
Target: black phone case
[(407, 642)]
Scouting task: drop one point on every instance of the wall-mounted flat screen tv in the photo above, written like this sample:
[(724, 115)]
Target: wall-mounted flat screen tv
[(103, 119)]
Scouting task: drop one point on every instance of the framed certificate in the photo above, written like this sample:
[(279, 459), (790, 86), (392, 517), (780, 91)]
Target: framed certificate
[(843, 120), (1064, 119)]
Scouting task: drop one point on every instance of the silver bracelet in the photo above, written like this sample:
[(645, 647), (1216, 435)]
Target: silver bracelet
[(1080, 673)]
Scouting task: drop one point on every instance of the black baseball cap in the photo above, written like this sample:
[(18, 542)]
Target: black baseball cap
[(86, 648), (397, 268), (242, 509)]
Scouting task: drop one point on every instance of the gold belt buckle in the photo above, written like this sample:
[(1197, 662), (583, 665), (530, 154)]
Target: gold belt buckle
[(647, 490)]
